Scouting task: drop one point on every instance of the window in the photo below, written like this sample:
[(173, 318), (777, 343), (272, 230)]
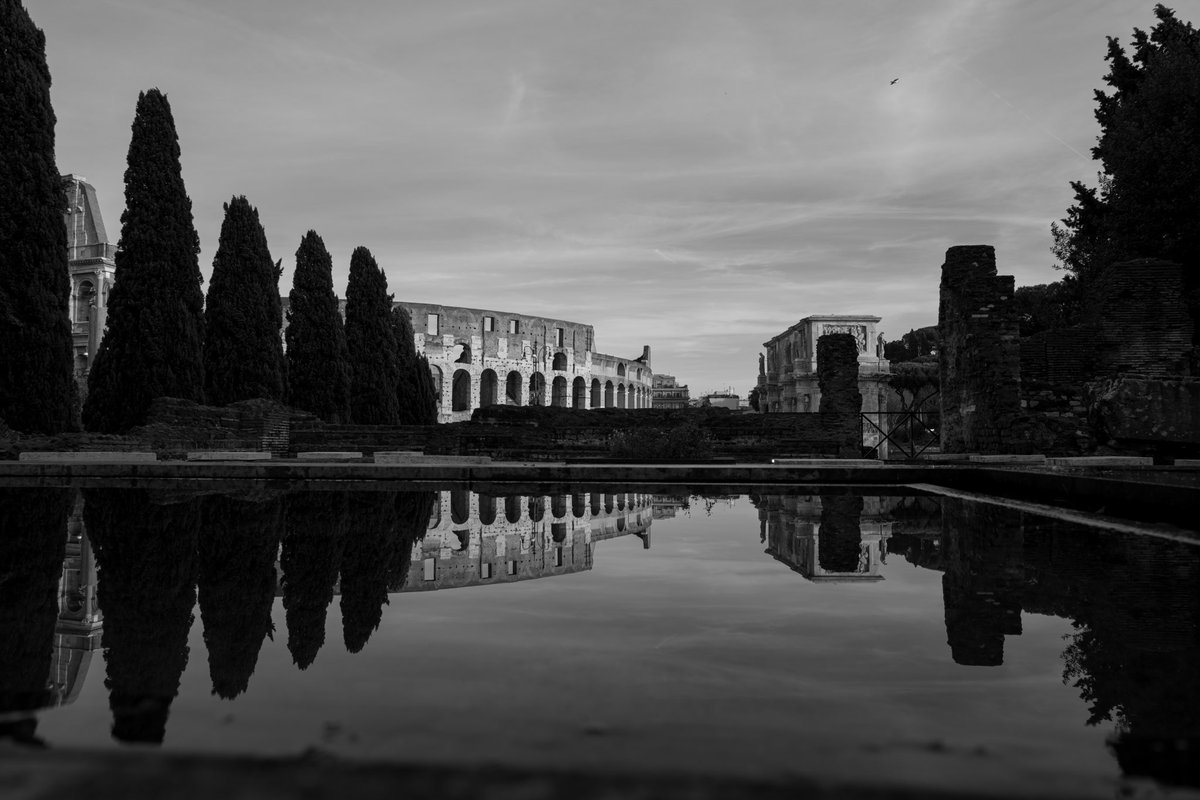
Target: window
[(558, 337), (489, 324), (430, 569), (514, 326), (431, 324), (512, 567), (485, 570)]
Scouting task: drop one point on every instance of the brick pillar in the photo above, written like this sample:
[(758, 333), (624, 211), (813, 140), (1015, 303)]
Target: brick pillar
[(979, 357), (837, 377)]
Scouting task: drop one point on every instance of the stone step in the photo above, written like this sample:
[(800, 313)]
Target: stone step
[(87, 457), (228, 455), (828, 462)]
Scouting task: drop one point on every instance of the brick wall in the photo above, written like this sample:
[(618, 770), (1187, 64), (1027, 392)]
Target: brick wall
[(979, 357)]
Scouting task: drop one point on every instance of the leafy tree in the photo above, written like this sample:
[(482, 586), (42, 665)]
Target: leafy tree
[(318, 365), (413, 510), (912, 345), (371, 343), (153, 343), (1047, 306), (146, 551), (754, 398), (239, 540), (243, 353), (415, 391), (35, 335), (1149, 147)]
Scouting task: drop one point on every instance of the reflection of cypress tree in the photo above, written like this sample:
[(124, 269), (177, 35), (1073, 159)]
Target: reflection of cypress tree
[(238, 543), (146, 556), (372, 526), (412, 513), (312, 552), (33, 536), (841, 533)]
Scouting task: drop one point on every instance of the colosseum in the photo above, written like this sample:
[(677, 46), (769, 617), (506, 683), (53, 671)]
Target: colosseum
[(482, 358)]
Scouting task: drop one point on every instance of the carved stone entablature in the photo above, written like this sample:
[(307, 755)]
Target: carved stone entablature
[(859, 332)]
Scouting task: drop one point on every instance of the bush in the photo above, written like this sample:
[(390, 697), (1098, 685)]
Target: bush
[(686, 442)]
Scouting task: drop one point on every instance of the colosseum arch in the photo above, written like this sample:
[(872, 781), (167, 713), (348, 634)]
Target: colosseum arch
[(537, 389), (537, 508), (597, 394), (512, 389), (620, 370), (620, 395), (512, 508), (594, 503), (487, 509), (579, 393), (558, 392), (488, 388), (578, 505), (460, 506), (558, 506), (608, 394), (560, 362), (436, 372), (461, 391)]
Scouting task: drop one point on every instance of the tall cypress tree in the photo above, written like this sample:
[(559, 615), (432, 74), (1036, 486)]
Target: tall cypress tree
[(415, 392), (35, 334), (243, 354), (371, 342), (317, 363), (153, 343)]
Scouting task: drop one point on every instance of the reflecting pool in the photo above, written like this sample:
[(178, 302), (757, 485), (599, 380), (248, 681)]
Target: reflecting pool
[(904, 639)]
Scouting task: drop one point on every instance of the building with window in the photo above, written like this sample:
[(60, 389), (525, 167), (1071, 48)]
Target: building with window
[(668, 393), (482, 357), (787, 372), (90, 259)]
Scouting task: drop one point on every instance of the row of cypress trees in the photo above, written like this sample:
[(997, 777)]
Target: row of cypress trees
[(161, 339)]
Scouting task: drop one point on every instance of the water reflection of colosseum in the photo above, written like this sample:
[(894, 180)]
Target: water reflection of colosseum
[(478, 539), (830, 537)]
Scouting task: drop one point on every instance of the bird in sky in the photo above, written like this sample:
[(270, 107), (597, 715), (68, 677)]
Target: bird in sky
[(893, 83)]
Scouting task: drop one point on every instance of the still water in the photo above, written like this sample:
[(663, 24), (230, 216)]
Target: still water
[(902, 639)]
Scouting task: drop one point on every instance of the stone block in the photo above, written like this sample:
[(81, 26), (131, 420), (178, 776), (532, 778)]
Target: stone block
[(828, 462), (1101, 461), (228, 455), (1187, 462), (417, 457), (97, 457), (330, 455), (1007, 459)]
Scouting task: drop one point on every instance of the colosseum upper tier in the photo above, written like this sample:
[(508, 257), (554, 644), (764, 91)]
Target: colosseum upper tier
[(481, 358)]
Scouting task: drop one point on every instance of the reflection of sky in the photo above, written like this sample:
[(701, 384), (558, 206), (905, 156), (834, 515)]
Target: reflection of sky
[(700, 653)]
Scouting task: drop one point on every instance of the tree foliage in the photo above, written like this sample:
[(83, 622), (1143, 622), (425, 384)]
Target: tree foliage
[(917, 343), (153, 344), (370, 343), (35, 335), (318, 365), (415, 392), (372, 522), (1047, 306), (243, 353), (1149, 147)]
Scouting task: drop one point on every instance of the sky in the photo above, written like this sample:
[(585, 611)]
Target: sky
[(695, 176)]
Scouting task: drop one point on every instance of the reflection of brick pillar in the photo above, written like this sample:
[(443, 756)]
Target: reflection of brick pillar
[(841, 532), (981, 590), (837, 377), (979, 357)]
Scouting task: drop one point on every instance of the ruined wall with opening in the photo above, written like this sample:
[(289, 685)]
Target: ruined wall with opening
[(837, 377)]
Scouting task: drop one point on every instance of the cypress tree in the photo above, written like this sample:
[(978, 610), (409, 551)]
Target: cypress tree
[(153, 343), (243, 354), (371, 343), (415, 391), (364, 569), (317, 363), (311, 556), (35, 334)]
